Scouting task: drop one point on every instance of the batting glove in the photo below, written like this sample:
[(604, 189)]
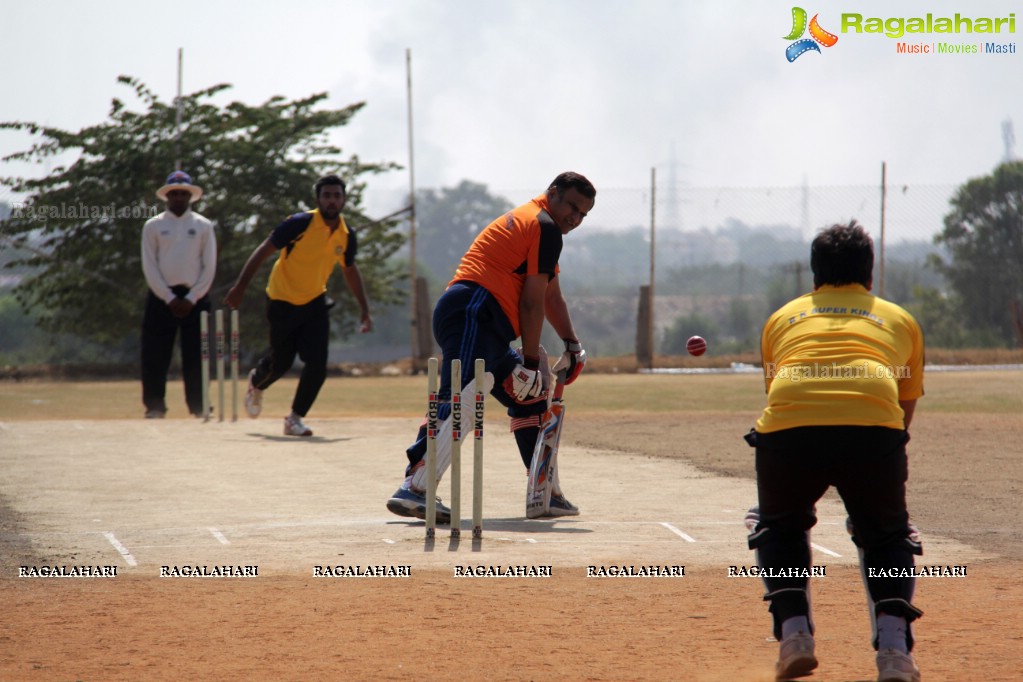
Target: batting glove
[(571, 361), (525, 383)]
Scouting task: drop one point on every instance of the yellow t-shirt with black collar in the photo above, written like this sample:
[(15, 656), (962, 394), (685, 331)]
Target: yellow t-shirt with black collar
[(308, 252), (840, 356)]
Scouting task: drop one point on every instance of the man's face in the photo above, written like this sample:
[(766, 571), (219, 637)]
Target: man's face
[(568, 208), (178, 201), (330, 201)]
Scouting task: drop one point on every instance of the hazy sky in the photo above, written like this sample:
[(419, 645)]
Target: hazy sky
[(509, 94)]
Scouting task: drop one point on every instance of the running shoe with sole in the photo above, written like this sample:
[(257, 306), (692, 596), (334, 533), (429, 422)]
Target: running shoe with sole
[(795, 657), (560, 506), (293, 426), (407, 502), (895, 666)]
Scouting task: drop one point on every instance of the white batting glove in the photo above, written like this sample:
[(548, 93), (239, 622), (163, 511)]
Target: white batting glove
[(525, 383), (571, 361)]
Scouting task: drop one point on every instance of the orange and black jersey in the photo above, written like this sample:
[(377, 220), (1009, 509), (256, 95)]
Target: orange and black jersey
[(309, 250), (523, 242)]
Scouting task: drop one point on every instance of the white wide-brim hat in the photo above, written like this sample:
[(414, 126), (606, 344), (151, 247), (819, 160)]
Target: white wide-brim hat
[(180, 180)]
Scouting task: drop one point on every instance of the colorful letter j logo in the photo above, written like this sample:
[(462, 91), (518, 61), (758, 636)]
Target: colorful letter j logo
[(817, 35)]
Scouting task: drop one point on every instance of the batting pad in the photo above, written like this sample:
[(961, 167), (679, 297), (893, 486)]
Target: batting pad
[(444, 431)]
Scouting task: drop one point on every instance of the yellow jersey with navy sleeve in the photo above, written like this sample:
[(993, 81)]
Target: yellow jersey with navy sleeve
[(524, 241), (308, 252), (840, 356)]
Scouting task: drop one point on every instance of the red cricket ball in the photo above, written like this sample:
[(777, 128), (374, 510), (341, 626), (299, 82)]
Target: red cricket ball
[(696, 345)]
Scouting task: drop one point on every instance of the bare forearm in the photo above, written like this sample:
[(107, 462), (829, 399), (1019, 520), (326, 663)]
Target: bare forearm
[(532, 306), (908, 408), (559, 317), (531, 318), (353, 277), (253, 264), (262, 252), (354, 280)]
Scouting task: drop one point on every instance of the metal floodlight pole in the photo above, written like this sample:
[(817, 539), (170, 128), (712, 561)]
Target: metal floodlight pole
[(177, 117), (884, 197), (413, 283), (653, 252)]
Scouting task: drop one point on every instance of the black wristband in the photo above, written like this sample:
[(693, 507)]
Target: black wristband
[(531, 362)]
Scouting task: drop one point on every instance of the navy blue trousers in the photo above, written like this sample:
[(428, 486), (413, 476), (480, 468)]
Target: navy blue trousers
[(468, 324)]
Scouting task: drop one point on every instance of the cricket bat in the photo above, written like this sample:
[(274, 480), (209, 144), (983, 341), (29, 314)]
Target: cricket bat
[(543, 471)]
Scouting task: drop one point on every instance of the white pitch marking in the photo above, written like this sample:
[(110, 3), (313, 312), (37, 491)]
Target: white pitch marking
[(389, 541), (531, 540), (677, 532), (824, 549), (120, 548), (219, 536)]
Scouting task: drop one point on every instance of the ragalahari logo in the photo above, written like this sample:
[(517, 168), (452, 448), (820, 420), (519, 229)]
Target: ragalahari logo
[(818, 36)]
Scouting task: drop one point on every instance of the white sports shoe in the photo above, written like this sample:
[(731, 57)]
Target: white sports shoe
[(895, 666), (293, 426), (253, 398)]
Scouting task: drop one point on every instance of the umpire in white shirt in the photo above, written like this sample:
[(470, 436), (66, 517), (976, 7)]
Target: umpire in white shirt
[(179, 259)]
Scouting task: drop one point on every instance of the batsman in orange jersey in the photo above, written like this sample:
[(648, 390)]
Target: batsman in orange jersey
[(506, 286)]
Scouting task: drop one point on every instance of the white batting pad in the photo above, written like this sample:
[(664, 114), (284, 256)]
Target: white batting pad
[(444, 432)]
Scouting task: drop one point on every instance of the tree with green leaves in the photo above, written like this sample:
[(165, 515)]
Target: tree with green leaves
[(449, 219), (80, 225), (984, 237)]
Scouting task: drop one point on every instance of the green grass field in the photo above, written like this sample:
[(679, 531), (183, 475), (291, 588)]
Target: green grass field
[(976, 392)]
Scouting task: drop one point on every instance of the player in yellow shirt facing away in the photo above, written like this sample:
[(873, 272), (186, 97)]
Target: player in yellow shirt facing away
[(843, 372), (311, 243)]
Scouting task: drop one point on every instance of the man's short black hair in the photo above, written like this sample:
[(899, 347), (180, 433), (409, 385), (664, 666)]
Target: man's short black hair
[(329, 180), (571, 180), (842, 254)]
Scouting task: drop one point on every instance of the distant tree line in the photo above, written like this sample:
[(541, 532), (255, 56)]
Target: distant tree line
[(81, 285), (77, 233)]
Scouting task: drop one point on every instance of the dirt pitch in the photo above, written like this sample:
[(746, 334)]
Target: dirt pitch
[(665, 485)]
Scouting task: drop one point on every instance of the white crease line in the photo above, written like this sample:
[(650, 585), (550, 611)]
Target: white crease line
[(824, 549), (219, 536), (389, 541), (677, 532), (120, 548)]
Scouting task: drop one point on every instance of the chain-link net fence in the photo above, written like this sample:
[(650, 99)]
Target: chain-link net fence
[(723, 258), (720, 260)]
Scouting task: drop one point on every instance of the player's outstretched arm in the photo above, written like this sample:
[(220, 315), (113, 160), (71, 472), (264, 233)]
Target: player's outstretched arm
[(574, 357), (556, 310), (908, 408), (532, 305), (354, 280), (234, 297)]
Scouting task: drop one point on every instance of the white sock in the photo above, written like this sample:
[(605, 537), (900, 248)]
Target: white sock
[(891, 633), (795, 625)]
